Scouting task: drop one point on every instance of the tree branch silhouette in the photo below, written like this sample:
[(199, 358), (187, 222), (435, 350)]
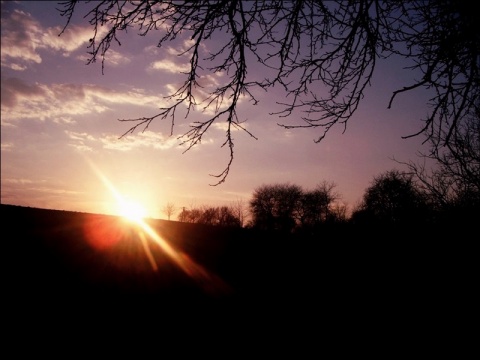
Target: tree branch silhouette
[(323, 54)]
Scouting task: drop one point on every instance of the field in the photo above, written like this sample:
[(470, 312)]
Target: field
[(68, 265)]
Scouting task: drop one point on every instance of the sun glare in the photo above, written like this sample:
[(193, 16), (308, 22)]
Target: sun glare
[(135, 212), (132, 211)]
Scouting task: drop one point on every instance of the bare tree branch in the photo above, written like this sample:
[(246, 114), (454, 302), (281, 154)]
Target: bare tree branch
[(323, 54)]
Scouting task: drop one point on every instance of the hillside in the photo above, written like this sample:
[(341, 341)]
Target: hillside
[(100, 262)]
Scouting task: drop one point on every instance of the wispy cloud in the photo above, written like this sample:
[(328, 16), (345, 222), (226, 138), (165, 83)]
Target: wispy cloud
[(59, 102), (23, 38), (85, 142), (82, 142), (224, 126), (144, 139), (116, 59), (36, 185), (112, 58), (38, 192), (169, 66), (178, 60), (6, 146), (20, 181)]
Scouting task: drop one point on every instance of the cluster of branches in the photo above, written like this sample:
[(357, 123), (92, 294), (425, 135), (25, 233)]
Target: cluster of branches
[(453, 182), (304, 45), (403, 198)]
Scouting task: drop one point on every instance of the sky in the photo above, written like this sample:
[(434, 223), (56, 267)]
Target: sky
[(62, 145)]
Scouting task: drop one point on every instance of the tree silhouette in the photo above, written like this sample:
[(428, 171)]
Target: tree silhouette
[(240, 210), (392, 198), (287, 207), (208, 215), (191, 216), (303, 46), (274, 207), (453, 183), (169, 210), (316, 205), (226, 217)]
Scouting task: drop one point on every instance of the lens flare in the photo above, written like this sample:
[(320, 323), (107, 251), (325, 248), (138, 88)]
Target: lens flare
[(131, 210), (208, 281)]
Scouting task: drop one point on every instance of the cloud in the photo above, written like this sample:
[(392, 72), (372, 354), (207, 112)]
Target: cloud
[(152, 50), (17, 181), (85, 142), (112, 58), (179, 49), (116, 59), (15, 189), (64, 120), (23, 38), (60, 102), (179, 60), (224, 126), (72, 39), (79, 141), (20, 38), (146, 139), (28, 192), (169, 66), (6, 146)]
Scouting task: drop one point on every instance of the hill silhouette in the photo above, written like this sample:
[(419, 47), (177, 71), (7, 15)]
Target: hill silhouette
[(99, 265)]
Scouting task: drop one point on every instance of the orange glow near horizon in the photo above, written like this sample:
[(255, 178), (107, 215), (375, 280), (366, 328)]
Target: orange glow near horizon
[(131, 210), (209, 282), (128, 209)]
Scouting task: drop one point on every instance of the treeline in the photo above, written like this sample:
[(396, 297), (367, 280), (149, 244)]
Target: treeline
[(221, 216), (442, 190), (392, 199)]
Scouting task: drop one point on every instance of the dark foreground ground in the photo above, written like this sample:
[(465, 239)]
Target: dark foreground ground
[(68, 268)]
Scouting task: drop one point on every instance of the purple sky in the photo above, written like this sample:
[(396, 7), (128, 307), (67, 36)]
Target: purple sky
[(59, 116)]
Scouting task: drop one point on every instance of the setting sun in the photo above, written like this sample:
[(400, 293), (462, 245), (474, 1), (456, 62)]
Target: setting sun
[(131, 210)]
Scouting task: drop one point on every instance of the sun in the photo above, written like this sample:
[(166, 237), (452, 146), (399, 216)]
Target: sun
[(132, 210)]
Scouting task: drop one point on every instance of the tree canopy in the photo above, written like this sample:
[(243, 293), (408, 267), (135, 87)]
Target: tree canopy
[(302, 44), (284, 207), (392, 198)]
